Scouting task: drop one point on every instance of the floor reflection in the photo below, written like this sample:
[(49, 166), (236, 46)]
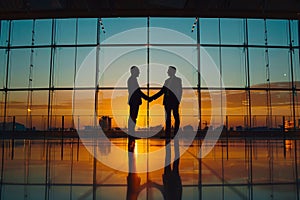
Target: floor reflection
[(171, 177), (234, 169), (171, 189), (133, 180)]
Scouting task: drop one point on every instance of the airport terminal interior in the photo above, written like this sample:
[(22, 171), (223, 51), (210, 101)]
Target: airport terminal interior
[(64, 112)]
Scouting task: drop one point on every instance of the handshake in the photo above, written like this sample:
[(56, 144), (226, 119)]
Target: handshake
[(150, 99)]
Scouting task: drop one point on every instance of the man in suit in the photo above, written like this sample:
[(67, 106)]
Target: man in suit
[(135, 96), (172, 91)]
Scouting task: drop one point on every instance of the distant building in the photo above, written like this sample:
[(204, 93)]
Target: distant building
[(105, 123), (239, 128), (10, 126)]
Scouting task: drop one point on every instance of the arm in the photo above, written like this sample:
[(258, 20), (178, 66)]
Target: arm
[(143, 95), (180, 90), (158, 94), (135, 90)]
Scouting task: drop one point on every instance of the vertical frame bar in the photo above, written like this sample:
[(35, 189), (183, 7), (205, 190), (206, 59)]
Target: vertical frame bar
[(248, 93), (294, 92), (7, 75), (199, 108), (52, 54)]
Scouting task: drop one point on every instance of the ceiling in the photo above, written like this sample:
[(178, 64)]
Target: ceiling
[(22, 9)]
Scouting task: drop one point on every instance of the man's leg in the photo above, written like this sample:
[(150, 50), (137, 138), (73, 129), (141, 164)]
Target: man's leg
[(133, 113), (177, 119), (168, 120)]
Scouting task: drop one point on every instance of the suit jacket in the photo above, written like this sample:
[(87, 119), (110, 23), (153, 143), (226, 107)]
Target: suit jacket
[(172, 91), (135, 94)]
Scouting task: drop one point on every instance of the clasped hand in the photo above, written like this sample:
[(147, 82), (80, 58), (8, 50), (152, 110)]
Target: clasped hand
[(150, 99)]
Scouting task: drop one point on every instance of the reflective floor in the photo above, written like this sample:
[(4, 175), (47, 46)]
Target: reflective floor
[(234, 169)]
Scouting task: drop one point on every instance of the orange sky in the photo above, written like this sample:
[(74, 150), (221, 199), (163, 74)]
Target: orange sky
[(114, 104)]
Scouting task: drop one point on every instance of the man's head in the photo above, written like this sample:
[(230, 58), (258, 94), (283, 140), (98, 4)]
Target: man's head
[(171, 71), (134, 70)]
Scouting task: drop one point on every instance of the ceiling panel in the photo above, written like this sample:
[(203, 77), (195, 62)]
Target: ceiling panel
[(17, 9)]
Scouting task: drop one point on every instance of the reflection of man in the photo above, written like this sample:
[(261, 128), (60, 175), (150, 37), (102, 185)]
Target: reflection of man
[(171, 177), (172, 91), (135, 96), (133, 180)]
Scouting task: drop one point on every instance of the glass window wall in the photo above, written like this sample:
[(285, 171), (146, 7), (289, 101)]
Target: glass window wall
[(258, 69)]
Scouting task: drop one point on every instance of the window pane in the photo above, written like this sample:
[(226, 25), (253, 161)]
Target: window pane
[(209, 58), (277, 32), (61, 106), (3, 64), (115, 63), (257, 66), (39, 105), (85, 67), (256, 31), (188, 110), (280, 68), (64, 67), (39, 109), (212, 108), (43, 32), (296, 66), (24, 27), (17, 105), (183, 58), (124, 31), (209, 31), (172, 30), (237, 102), (114, 104), (294, 32), (85, 54), (232, 31), (87, 31), (41, 67), (258, 107), (282, 103), (19, 68), (4, 26), (65, 31), (37, 112), (233, 67), (84, 107)]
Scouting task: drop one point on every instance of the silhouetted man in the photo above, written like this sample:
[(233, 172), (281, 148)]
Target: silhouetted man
[(135, 96), (172, 91)]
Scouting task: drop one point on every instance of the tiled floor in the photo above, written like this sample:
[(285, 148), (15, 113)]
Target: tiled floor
[(234, 169)]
